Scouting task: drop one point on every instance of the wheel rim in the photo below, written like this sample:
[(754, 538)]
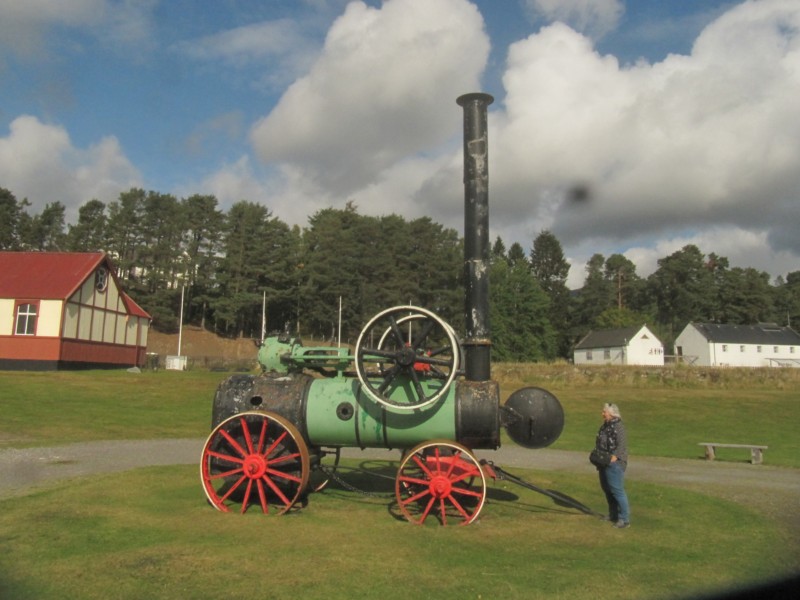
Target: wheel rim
[(414, 346), (254, 458), (443, 480)]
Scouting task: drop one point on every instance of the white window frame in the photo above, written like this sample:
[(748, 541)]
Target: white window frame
[(26, 318)]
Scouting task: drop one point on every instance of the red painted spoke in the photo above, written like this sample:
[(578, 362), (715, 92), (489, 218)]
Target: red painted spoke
[(443, 510), (246, 499), (421, 464), (226, 473), (417, 496), (459, 508), (464, 475), (225, 457), (240, 448), (233, 488), (233, 442), (427, 510), (456, 459), (283, 459), (409, 479), (277, 490), (282, 474), (275, 444), (262, 497), (262, 436), (466, 492), (246, 434)]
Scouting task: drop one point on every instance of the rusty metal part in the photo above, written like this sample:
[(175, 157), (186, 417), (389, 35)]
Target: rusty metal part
[(282, 394), (476, 235), (477, 415)]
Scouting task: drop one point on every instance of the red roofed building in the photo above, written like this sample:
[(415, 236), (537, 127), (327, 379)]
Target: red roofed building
[(65, 310)]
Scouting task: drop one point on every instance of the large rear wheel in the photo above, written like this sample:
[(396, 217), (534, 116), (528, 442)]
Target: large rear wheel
[(255, 458)]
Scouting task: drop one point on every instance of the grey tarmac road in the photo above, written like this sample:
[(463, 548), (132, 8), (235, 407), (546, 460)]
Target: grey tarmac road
[(773, 490)]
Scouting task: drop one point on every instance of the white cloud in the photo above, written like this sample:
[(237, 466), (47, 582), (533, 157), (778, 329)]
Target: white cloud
[(27, 27), (39, 162), (706, 141), (594, 18), (383, 88), (286, 45)]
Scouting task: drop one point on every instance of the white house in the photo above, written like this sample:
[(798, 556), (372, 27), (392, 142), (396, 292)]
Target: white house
[(762, 345), (627, 346)]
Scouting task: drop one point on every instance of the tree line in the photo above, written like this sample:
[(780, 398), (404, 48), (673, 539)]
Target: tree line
[(225, 263)]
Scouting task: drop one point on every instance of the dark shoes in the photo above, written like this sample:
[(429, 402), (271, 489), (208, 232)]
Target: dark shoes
[(621, 524)]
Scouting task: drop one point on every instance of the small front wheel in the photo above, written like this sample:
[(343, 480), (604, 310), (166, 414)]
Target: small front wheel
[(442, 479)]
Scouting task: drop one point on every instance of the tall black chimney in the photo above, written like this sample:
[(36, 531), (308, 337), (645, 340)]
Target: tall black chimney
[(477, 344)]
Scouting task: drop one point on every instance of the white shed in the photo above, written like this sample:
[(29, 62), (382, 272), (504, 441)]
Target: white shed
[(627, 346), (762, 345)]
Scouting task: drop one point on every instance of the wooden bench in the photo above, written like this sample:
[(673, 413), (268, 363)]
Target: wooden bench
[(756, 452)]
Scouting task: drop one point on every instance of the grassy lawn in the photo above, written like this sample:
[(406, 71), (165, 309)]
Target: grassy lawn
[(664, 417), (150, 533), (45, 409)]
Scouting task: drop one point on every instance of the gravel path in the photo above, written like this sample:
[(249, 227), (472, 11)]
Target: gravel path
[(773, 490)]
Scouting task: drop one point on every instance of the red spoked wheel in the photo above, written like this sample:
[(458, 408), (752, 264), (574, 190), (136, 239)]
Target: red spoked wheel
[(254, 458), (440, 479)]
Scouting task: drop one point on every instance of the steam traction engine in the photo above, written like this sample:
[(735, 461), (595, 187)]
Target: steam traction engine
[(410, 384)]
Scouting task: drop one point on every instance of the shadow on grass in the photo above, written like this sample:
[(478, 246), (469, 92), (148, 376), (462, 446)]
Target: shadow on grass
[(372, 481)]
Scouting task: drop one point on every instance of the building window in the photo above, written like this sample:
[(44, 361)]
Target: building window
[(758, 349), (791, 349), (101, 279), (741, 348), (588, 355), (26, 319), (724, 347), (607, 354), (775, 349)]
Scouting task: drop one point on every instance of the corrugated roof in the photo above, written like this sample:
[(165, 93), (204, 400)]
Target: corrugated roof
[(763, 333), (609, 338), (53, 275)]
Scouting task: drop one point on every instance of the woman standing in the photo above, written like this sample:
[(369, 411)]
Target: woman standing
[(612, 439)]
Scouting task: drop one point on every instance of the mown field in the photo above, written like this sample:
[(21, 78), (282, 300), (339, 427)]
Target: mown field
[(150, 533)]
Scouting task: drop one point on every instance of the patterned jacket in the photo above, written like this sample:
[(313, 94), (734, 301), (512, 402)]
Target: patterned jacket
[(612, 438)]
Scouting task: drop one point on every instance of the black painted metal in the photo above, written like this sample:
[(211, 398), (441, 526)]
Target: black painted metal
[(533, 417), (477, 344), (282, 395), (477, 415)]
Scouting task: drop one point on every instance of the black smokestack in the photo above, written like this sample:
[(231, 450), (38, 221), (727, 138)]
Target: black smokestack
[(477, 345)]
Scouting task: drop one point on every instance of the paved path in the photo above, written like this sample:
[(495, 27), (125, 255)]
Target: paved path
[(773, 490)]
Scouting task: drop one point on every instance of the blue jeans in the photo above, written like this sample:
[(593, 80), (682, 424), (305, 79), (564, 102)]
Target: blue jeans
[(612, 481)]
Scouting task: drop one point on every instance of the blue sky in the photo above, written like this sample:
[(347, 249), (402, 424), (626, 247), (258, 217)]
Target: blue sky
[(678, 116)]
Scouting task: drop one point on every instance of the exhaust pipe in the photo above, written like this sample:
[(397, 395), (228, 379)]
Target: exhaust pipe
[(477, 345)]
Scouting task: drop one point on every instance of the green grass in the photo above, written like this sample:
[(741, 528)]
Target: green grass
[(665, 416), (150, 534), (50, 408), (669, 411)]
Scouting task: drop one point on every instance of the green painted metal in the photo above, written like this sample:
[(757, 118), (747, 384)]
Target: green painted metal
[(285, 354), (338, 413)]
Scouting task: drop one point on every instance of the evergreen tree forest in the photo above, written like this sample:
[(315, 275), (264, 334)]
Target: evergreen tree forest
[(225, 263)]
